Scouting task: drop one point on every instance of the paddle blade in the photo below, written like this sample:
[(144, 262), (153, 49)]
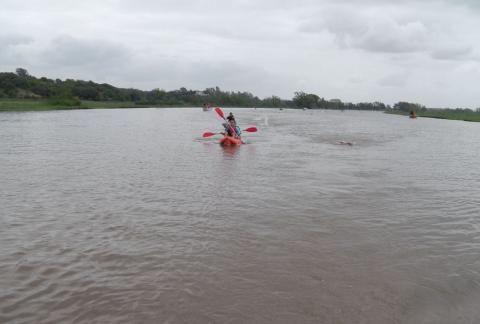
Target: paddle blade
[(219, 111), (208, 134), (250, 129)]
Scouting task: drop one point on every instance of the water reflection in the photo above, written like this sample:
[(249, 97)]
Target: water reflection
[(230, 151)]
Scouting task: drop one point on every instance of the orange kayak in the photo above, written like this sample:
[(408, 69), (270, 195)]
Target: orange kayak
[(230, 140)]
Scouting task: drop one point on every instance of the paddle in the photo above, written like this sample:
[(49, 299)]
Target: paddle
[(219, 112), (250, 130), (208, 134)]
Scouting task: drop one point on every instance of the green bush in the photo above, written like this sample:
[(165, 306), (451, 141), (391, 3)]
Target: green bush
[(65, 102)]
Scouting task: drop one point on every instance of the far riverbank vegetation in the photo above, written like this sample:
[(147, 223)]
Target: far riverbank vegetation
[(21, 91)]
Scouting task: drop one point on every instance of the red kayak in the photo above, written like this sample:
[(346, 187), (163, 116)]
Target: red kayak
[(230, 141)]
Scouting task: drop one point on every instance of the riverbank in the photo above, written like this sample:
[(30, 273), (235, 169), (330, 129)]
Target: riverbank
[(442, 114), (44, 104)]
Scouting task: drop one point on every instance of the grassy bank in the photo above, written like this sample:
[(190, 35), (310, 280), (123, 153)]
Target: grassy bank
[(44, 104), (442, 114)]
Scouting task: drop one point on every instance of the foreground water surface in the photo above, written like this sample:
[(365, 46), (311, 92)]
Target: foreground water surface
[(129, 216)]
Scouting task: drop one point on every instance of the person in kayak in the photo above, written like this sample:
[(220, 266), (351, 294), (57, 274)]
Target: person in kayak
[(231, 127), (228, 129)]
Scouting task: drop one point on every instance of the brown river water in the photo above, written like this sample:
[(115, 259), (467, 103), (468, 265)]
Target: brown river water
[(129, 216)]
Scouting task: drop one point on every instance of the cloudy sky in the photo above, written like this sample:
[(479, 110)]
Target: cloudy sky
[(355, 50)]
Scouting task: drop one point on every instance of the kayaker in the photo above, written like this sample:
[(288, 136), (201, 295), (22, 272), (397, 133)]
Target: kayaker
[(233, 124)]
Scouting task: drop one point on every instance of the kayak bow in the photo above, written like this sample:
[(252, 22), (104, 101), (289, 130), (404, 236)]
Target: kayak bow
[(230, 141)]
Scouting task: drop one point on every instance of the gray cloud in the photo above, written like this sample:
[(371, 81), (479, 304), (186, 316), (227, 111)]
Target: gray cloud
[(394, 80), (8, 40), (372, 30), (453, 53), (344, 48), (69, 51), (391, 28), (12, 46)]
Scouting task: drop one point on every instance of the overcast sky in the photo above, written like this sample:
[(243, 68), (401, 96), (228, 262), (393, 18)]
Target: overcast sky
[(355, 50)]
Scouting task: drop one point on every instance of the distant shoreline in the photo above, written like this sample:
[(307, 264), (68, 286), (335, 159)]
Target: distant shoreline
[(19, 105), (21, 91), (13, 105), (441, 114)]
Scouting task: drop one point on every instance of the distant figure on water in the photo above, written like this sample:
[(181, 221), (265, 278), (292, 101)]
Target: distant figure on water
[(413, 114), (345, 143), (206, 107)]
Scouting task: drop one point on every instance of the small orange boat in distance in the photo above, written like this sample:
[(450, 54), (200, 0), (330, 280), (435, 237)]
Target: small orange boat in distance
[(413, 114)]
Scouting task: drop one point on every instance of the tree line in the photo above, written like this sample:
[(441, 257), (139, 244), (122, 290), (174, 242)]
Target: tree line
[(22, 85), (312, 101)]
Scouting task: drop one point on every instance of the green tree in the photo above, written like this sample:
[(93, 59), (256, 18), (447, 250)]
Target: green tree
[(407, 106), (21, 72), (307, 100)]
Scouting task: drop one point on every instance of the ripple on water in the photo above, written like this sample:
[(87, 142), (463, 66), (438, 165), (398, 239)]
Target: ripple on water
[(125, 217)]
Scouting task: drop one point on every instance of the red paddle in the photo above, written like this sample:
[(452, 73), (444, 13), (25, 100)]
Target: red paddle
[(250, 130), (219, 111), (208, 134)]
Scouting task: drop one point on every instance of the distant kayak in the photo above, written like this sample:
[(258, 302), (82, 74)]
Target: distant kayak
[(230, 141)]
